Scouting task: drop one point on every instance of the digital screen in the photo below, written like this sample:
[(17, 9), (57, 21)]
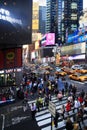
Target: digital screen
[(48, 39), (75, 57), (15, 23), (78, 36)]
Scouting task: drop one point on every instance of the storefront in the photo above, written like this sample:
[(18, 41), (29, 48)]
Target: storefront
[(10, 77)]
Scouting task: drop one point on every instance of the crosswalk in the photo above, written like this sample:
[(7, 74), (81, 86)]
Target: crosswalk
[(43, 117)]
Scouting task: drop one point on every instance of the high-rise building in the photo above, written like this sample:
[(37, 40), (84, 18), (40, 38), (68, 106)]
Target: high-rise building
[(63, 17), (51, 18), (42, 19)]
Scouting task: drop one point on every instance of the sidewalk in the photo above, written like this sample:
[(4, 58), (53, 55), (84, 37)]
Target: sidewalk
[(25, 125)]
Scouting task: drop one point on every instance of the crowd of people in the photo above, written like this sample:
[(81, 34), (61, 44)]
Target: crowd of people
[(7, 94), (47, 85), (42, 87)]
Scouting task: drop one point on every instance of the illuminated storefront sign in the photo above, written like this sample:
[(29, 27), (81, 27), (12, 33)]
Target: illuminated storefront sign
[(79, 48), (5, 15)]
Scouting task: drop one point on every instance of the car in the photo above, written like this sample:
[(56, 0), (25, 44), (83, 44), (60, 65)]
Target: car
[(76, 67), (68, 70), (82, 71), (78, 77), (58, 69), (62, 73)]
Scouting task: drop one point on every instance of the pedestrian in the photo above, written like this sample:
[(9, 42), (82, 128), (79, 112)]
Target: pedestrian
[(56, 119), (76, 104), (79, 117), (82, 93), (69, 124), (85, 127), (59, 96), (62, 111), (38, 104), (75, 126), (33, 110), (68, 107)]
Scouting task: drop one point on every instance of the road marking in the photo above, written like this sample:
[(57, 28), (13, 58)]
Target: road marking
[(17, 120), (3, 123)]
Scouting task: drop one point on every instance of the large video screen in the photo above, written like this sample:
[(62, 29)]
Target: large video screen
[(48, 39), (15, 23)]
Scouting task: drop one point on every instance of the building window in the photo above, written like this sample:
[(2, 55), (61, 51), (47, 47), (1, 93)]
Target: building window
[(73, 5)]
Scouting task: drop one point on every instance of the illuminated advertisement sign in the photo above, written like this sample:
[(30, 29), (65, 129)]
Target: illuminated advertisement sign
[(78, 36), (35, 18), (15, 23), (5, 15), (48, 39), (79, 48)]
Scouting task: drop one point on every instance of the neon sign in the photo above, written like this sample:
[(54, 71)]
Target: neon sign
[(5, 15)]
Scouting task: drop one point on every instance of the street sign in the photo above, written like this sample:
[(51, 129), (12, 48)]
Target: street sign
[(52, 108)]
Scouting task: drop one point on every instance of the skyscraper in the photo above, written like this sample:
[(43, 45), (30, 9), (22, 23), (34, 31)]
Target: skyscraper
[(51, 18), (42, 19), (63, 17)]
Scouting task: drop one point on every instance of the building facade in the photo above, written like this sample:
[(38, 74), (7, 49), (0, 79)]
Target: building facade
[(42, 19), (63, 17), (51, 18)]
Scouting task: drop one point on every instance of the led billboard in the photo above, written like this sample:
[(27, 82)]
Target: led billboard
[(48, 39), (15, 23), (78, 36)]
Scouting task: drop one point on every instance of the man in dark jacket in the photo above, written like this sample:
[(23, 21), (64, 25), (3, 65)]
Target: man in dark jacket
[(56, 119)]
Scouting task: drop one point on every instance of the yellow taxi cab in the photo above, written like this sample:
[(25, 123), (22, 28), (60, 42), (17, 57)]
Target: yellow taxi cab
[(62, 73), (82, 71), (68, 70), (78, 78)]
